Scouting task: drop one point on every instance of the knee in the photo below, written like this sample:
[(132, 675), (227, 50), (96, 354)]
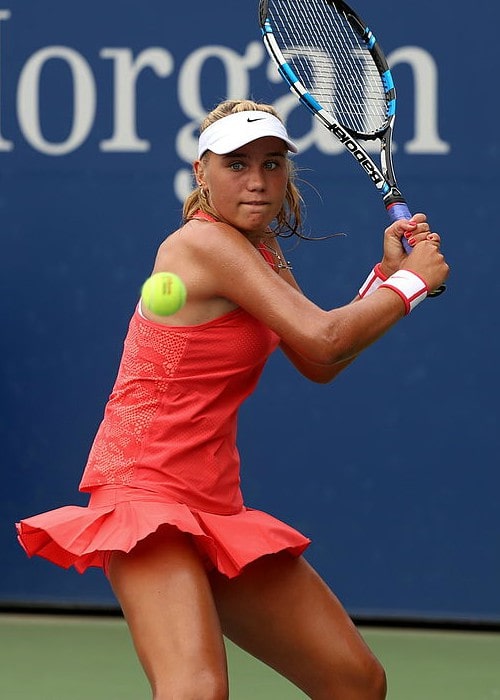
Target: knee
[(374, 681), (204, 685), (210, 686), (361, 680)]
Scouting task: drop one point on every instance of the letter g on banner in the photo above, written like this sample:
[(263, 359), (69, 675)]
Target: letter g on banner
[(236, 69)]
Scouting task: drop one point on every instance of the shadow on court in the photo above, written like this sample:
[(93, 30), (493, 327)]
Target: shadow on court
[(56, 658)]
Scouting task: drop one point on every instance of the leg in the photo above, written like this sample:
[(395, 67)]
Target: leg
[(166, 599), (280, 611)]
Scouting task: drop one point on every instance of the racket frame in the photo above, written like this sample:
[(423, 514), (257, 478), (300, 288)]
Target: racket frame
[(382, 177)]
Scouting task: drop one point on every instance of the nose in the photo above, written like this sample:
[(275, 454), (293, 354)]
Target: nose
[(256, 180)]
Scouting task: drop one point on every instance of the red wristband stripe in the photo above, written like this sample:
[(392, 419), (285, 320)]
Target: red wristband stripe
[(409, 286), (372, 282)]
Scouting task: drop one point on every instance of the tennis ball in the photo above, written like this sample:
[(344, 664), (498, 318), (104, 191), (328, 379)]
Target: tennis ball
[(163, 293)]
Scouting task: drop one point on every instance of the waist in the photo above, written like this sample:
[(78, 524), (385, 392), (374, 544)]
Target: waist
[(110, 495)]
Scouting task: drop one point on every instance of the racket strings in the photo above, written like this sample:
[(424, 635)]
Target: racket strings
[(332, 61)]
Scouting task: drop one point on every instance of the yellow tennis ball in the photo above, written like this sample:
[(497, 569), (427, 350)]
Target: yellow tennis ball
[(163, 293)]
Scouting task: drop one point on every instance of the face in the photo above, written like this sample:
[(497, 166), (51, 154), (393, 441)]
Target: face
[(247, 187)]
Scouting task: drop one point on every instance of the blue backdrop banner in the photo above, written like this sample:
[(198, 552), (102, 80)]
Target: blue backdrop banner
[(392, 469)]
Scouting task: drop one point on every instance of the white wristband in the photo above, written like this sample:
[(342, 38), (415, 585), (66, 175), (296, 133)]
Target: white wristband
[(409, 286), (372, 282)]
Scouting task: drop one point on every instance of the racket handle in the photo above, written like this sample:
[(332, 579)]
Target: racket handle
[(397, 211), (400, 211)]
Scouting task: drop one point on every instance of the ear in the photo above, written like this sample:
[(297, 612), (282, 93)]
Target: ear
[(198, 173)]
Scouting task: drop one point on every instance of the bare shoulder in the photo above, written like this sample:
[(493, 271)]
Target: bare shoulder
[(206, 256), (208, 250), (205, 238)]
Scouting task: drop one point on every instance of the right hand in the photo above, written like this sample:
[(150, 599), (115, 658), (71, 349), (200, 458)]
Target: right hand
[(427, 261)]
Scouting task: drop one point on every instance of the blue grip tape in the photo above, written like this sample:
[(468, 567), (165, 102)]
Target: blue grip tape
[(400, 211)]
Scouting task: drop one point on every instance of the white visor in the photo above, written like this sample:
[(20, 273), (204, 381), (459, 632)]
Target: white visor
[(236, 130)]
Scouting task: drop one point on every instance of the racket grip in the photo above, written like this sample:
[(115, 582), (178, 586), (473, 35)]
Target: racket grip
[(397, 211), (400, 211)]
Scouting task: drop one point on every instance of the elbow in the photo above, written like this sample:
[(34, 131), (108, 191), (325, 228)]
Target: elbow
[(322, 378), (340, 337), (324, 341), (331, 347), (325, 373)]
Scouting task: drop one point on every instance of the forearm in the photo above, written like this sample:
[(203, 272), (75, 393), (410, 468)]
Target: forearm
[(321, 374), (347, 331)]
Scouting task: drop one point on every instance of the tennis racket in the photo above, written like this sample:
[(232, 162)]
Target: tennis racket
[(334, 65)]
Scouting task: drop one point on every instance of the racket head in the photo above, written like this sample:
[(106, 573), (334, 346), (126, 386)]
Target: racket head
[(330, 58)]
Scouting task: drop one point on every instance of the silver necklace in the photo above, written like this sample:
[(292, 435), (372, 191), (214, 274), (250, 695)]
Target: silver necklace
[(280, 263)]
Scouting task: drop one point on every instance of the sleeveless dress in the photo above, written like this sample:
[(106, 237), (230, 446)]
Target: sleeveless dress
[(165, 452)]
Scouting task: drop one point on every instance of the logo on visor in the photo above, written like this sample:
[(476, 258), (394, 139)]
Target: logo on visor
[(257, 119)]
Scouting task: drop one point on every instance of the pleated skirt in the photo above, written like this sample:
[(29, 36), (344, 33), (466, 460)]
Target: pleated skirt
[(117, 518)]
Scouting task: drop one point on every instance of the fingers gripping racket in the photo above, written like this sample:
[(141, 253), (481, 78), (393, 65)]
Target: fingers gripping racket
[(333, 64)]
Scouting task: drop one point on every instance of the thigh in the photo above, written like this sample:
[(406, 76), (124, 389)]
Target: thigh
[(281, 611), (166, 599)]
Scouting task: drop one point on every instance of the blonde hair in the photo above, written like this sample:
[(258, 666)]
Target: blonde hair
[(289, 218)]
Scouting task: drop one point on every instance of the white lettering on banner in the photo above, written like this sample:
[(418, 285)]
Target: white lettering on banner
[(4, 144), (236, 84), (126, 72), (424, 69), (425, 74), (28, 100)]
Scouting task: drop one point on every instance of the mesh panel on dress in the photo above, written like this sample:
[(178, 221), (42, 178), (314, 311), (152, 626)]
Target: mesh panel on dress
[(151, 356)]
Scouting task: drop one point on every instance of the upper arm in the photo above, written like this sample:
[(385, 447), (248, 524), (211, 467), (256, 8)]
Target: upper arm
[(234, 269)]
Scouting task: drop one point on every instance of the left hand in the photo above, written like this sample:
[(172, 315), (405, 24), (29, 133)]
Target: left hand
[(414, 230)]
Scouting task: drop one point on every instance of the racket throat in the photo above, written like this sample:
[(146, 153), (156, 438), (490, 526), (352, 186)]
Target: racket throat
[(393, 197)]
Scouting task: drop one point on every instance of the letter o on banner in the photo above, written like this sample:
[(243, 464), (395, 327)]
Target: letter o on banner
[(84, 98)]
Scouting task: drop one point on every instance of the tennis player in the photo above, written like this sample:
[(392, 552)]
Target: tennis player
[(188, 561)]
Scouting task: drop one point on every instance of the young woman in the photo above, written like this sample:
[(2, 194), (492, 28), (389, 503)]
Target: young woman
[(187, 560)]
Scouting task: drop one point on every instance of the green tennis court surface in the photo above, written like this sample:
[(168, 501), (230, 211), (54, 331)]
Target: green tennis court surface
[(77, 658)]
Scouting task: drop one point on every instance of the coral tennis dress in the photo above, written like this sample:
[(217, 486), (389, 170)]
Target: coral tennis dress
[(165, 452)]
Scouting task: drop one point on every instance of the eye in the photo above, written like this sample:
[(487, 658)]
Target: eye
[(270, 165), (236, 166)]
